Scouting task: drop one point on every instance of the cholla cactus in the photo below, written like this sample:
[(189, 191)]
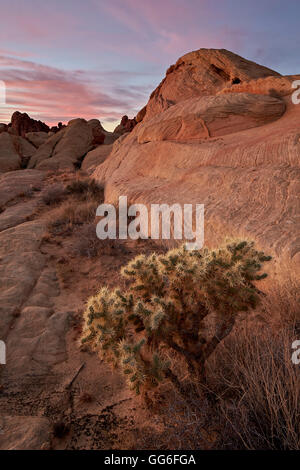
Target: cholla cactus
[(164, 309)]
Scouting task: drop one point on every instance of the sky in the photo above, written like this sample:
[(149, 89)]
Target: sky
[(62, 59)]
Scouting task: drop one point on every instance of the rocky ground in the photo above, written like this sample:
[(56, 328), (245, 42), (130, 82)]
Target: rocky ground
[(52, 394)]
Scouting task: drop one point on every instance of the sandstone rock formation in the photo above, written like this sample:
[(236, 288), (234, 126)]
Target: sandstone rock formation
[(211, 116), (21, 123), (37, 138), (234, 147), (24, 432), (14, 152), (98, 132), (96, 157), (18, 183), (126, 125), (238, 157), (201, 73), (9, 157)]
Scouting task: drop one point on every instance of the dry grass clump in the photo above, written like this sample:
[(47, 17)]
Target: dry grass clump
[(86, 188), (67, 216), (87, 244), (54, 194), (258, 388)]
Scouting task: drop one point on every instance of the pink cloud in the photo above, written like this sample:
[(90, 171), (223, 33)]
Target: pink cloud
[(53, 94)]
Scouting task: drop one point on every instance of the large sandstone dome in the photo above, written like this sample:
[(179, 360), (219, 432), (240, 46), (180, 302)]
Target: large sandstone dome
[(202, 73), (221, 131)]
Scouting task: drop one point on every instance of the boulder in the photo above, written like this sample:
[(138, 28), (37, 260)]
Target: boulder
[(96, 157), (126, 125), (3, 128), (58, 128), (24, 433), (24, 148), (17, 183), (9, 157), (20, 268), (37, 138), (66, 148), (14, 152)]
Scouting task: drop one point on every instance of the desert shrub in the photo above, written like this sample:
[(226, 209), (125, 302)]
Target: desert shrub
[(69, 215), (54, 194), (165, 308), (87, 243), (86, 188)]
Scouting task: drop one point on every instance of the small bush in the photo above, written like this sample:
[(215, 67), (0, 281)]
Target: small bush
[(87, 243), (70, 214), (165, 309), (54, 194), (86, 189)]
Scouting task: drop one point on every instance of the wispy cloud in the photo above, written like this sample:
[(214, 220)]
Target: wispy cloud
[(100, 58), (53, 94)]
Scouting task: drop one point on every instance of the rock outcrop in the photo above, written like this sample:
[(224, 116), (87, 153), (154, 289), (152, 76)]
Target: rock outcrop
[(126, 125), (21, 123), (37, 138), (96, 157), (64, 149), (211, 116), (18, 183), (98, 132), (14, 152), (239, 157), (57, 128)]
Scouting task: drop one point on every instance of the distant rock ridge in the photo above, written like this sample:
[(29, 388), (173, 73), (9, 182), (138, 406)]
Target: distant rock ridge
[(21, 123)]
